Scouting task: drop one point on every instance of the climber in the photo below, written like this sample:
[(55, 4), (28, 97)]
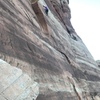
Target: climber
[(46, 10)]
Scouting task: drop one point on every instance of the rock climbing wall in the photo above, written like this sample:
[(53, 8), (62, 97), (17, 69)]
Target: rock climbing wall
[(48, 49)]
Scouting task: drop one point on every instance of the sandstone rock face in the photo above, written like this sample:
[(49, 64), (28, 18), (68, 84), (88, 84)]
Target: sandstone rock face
[(15, 85), (98, 63), (48, 49)]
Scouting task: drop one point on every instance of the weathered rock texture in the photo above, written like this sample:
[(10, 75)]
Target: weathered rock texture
[(98, 63), (48, 49), (15, 85)]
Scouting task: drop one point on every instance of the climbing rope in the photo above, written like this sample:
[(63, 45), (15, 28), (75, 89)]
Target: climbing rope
[(34, 1)]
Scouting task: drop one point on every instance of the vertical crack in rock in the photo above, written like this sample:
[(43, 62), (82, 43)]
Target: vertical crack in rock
[(40, 17), (74, 88), (76, 92), (65, 56)]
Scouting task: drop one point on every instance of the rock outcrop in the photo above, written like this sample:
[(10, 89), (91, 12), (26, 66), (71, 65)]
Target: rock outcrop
[(48, 49), (98, 63), (15, 85)]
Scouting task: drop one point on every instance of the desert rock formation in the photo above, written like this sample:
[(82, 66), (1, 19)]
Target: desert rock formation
[(48, 49)]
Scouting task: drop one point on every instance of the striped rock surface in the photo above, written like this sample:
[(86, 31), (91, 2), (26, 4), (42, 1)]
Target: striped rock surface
[(16, 85), (48, 50)]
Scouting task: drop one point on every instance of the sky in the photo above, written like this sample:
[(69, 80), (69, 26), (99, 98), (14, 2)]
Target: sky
[(86, 22)]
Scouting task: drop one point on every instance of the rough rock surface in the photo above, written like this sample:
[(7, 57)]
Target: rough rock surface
[(15, 85), (48, 49), (98, 63)]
